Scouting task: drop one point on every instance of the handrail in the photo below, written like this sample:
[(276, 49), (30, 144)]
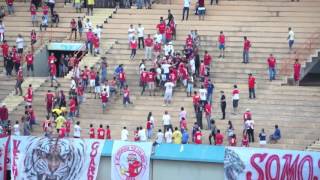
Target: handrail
[(302, 53)]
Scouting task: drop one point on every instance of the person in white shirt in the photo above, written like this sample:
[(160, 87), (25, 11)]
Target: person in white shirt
[(131, 33), (87, 25), (168, 136), (168, 93), (186, 6), (182, 114), (124, 134), (249, 124), (168, 49), (97, 31), (290, 38), (140, 32), (203, 95), (158, 37), (166, 118), (235, 99), (20, 44), (160, 137), (73, 84), (142, 134), (77, 130), (2, 30), (16, 129)]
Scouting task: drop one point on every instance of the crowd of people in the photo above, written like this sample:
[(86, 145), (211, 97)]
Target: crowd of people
[(170, 69)]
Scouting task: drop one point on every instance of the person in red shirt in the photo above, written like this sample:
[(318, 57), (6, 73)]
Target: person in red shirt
[(62, 132), (17, 62), (233, 140), (45, 10), (126, 96), (296, 71), (247, 115), (51, 59), (168, 33), (5, 49), (221, 40), (251, 84), (33, 11), (72, 107), (148, 42), (10, 6), (91, 132), (49, 101), (104, 99), (207, 59), (272, 67), (68, 127), (157, 49), (202, 70), (19, 81), (151, 82), (196, 101), (96, 44), (5, 54), (101, 132), (207, 110), (29, 96), (144, 80), (161, 27), (33, 37), (108, 132), (73, 26), (133, 46), (122, 80), (29, 60), (89, 43), (219, 138), (136, 137), (189, 42), (198, 137), (246, 48), (245, 141), (53, 74)]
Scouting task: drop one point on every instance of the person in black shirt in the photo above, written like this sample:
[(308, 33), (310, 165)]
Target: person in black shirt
[(170, 16), (223, 105), (80, 27), (9, 64), (55, 19), (197, 62)]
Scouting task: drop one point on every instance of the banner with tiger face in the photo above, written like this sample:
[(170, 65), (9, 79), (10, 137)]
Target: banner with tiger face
[(36, 158)]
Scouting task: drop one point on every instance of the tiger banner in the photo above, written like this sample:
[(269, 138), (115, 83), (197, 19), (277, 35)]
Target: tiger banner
[(3, 156), (36, 158), (130, 160), (242, 163)]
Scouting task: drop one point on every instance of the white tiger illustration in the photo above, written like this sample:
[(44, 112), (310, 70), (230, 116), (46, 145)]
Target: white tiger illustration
[(233, 165), (54, 159)]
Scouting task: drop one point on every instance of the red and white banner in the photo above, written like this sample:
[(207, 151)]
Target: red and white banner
[(270, 164), (35, 158), (130, 160), (3, 155)]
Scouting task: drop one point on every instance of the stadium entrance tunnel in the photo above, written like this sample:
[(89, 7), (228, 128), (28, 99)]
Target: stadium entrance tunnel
[(310, 75), (41, 68)]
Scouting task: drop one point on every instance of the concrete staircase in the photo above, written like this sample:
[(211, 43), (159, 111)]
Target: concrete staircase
[(293, 108)]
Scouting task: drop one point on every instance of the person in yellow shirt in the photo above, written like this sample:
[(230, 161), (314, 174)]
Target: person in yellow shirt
[(90, 4), (59, 122), (177, 136)]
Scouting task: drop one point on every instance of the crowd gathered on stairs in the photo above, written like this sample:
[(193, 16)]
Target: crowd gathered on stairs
[(170, 70)]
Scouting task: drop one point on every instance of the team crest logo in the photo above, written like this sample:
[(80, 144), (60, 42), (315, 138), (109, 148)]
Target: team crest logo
[(130, 162)]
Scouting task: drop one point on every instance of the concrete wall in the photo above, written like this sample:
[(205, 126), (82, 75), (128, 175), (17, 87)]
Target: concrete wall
[(177, 170)]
